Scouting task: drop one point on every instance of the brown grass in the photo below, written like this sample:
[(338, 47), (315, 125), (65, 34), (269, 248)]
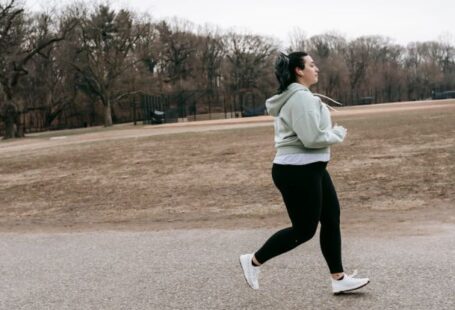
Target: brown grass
[(397, 166)]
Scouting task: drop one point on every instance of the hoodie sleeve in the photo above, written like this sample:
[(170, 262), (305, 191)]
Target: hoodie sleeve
[(306, 121)]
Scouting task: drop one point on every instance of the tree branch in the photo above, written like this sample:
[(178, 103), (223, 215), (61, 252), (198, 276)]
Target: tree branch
[(9, 22)]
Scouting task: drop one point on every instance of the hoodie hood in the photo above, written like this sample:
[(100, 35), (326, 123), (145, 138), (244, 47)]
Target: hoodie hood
[(275, 103)]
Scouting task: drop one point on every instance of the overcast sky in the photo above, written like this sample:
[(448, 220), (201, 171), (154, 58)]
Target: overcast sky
[(402, 20)]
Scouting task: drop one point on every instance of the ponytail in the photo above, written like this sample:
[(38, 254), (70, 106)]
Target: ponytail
[(282, 71), (285, 68)]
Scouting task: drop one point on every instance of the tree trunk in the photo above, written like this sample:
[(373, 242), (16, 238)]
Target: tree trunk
[(12, 122), (10, 129), (107, 114)]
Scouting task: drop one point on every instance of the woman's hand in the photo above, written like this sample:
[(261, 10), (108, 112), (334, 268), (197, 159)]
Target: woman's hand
[(340, 131)]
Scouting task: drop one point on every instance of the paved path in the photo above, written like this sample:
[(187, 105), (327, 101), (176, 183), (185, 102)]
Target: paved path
[(198, 269)]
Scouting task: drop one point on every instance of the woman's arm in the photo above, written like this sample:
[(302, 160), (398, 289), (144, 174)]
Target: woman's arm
[(306, 123)]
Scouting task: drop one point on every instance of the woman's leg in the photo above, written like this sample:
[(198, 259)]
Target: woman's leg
[(301, 189), (330, 235), (331, 240)]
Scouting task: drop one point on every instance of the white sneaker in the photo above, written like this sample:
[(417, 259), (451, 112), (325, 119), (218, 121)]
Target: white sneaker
[(348, 283), (250, 272)]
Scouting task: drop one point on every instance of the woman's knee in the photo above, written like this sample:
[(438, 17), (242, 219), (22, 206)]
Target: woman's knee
[(304, 233)]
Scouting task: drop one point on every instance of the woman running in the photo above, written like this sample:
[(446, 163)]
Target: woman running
[(303, 135)]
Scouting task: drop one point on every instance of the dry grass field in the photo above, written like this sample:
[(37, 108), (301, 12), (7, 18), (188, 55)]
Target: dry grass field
[(395, 169)]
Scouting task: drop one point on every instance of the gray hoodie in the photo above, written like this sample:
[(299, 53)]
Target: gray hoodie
[(302, 122)]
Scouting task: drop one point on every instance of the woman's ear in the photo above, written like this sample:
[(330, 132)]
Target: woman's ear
[(299, 72)]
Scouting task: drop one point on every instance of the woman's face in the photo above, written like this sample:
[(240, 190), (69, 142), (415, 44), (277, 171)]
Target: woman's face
[(309, 75)]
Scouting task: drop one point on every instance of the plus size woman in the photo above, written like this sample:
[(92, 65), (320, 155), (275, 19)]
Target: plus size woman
[(303, 136)]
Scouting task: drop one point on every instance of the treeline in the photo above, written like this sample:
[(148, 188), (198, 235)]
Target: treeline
[(88, 66)]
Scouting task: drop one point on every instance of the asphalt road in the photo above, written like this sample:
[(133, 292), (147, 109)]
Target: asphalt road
[(199, 269)]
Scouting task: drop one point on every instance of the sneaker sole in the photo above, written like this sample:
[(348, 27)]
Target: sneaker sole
[(244, 274), (353, 289)]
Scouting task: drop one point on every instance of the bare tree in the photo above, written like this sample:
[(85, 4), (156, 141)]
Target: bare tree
[(104, 46), (328, 50), (178, 46), (49, 89), (248, 61), (112, 54), (386, 75), (443, 52), (297, 40), (360, 54), (210, 54), (147, 46), (17, 47), (424, 72)]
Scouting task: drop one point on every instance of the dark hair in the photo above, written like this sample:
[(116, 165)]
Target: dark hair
[(285, 68)]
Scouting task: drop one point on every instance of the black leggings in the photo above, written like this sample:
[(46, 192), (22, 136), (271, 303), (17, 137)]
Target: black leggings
[(310, 198)]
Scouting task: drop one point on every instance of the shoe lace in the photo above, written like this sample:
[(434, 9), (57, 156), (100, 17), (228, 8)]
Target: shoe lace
[(353, 274)]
